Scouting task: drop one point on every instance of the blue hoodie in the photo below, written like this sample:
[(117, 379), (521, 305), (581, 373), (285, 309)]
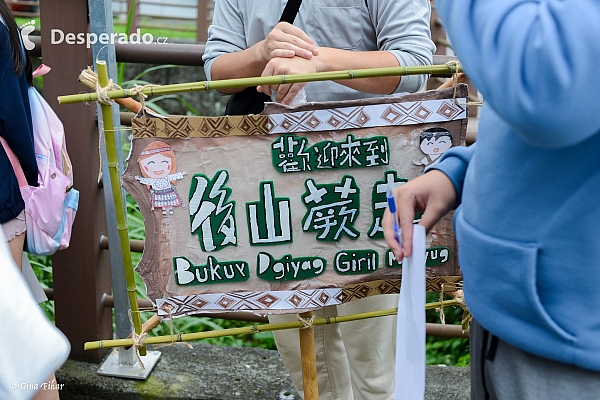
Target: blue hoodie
[(528, 224)]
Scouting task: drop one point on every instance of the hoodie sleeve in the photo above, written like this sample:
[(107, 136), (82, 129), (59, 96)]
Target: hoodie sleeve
[(454, 164), (534, 61)]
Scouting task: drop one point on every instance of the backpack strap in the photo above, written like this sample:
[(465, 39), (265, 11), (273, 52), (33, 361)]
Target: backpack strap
[(43, 69), (290, 11), (14, 162)]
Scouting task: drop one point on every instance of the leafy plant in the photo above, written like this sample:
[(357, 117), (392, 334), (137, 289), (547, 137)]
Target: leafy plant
[(42, 266), (121, 65), (448, 351), (152, 102)]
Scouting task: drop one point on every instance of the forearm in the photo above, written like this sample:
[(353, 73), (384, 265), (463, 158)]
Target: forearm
[(330, 59), (228, 66)]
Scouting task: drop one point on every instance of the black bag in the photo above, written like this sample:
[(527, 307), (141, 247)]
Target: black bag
[(246, 102), (249, 101)]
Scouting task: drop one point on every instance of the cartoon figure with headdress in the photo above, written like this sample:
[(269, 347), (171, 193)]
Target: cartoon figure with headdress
[(434, 143), (157, 163)]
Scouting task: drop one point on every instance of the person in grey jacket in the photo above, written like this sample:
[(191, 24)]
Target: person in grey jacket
[(246, 39)]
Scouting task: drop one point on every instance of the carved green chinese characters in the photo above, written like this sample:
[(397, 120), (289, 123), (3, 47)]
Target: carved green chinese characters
[(212, 218), (270, 218), (379, 201), (292, 154), (332, 209)]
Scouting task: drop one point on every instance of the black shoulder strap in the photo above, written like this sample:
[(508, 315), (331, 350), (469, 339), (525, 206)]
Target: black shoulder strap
[(290, 11)]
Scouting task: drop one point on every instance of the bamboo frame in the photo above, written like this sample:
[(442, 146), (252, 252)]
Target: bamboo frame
[(308, 358), (184, 337), (309, 367), (115, 182), (267, 80)]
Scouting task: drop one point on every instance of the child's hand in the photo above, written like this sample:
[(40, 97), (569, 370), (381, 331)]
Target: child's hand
[(184, 173), (138, 178)]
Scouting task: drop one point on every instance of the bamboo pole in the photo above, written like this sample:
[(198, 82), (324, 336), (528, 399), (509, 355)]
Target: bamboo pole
[(182, 337), (148, 326), (267, 80), (89, 79), (308, 359), (115, 182), (460, 78)]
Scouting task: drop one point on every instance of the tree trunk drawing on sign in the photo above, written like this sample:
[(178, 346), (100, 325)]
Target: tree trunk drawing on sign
[(285, 208)]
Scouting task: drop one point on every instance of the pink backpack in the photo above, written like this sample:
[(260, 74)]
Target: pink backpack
[(49, 208)]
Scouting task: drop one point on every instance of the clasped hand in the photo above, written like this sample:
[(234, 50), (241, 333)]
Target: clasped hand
[(287, 50)]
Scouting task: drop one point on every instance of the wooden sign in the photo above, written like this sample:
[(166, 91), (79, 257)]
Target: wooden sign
[(281, 212)]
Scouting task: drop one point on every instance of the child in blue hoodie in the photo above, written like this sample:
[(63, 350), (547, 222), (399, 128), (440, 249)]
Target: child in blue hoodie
[(527, 196)]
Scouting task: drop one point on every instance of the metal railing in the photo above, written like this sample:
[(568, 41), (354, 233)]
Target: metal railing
[(175, 15), (25, 8)]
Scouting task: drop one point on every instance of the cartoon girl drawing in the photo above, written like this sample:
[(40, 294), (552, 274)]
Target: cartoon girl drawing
[(434, 143), (157, 163)]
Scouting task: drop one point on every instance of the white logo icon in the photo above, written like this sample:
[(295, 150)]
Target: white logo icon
[(26, 29)]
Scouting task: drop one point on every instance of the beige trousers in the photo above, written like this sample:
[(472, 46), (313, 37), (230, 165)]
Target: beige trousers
[(355, 360)]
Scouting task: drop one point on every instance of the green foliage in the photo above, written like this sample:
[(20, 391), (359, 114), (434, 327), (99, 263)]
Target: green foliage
[(152, 103), (42, 266), (121, 66), (23, 20), (448, 351), (170, 34)]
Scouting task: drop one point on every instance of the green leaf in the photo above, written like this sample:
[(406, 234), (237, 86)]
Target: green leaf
[(157, 67)]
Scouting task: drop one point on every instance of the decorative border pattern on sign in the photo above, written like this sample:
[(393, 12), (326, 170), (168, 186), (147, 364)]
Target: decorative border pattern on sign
[(290, 300), (392, 286), (186, 127), (336, 119), (249, 301)]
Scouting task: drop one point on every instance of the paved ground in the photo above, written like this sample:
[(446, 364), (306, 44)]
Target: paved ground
[(221, 373)]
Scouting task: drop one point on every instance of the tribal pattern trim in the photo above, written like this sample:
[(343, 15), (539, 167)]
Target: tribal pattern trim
[(290, 300), (186, 127), (335, 119), (392, 286), (393, 114), (267, 302)]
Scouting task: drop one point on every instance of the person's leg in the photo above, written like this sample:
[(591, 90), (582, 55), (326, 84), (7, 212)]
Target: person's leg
[(478, 344), (520, 375), (333, 373), (500, 371), (16, 248), (14, 230), (371, 348)]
